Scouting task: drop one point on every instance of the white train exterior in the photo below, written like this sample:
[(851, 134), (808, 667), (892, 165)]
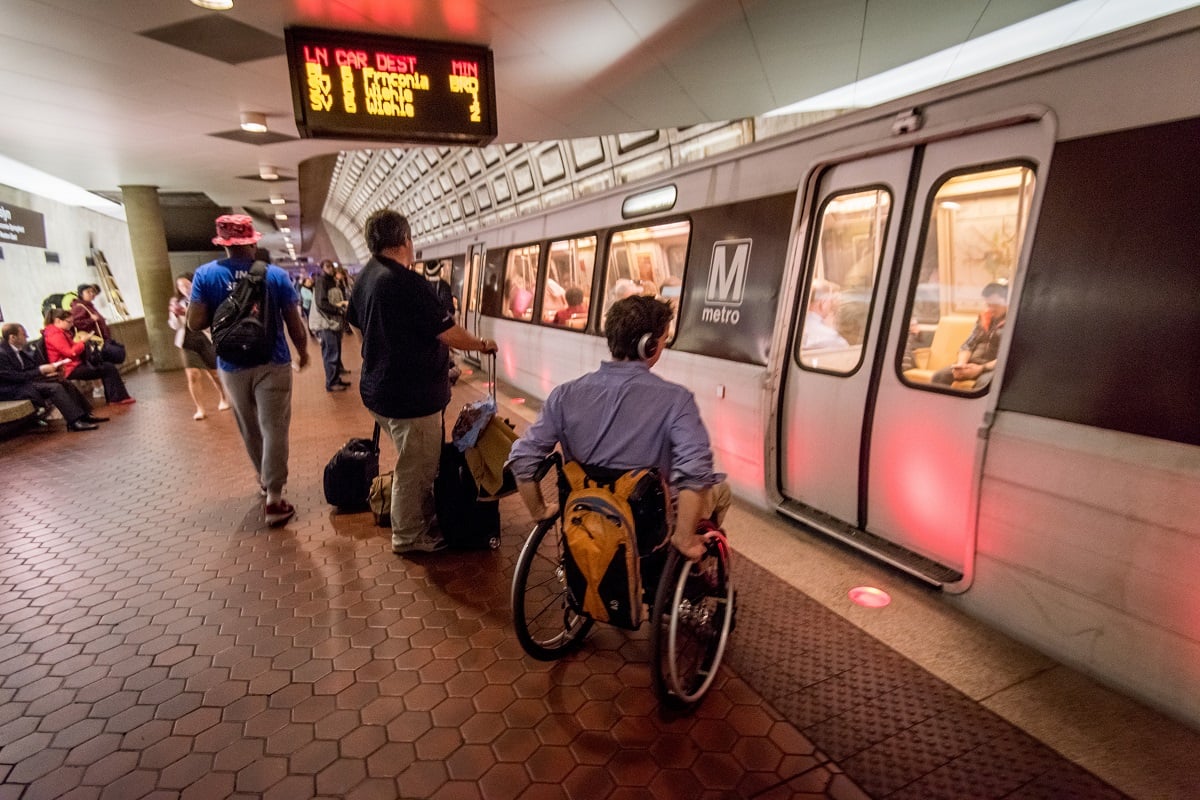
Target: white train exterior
[(1061, 502)]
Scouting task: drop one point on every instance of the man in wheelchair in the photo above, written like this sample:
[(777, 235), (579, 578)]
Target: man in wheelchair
[(621, 417)]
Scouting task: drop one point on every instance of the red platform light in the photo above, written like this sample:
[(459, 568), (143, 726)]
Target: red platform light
[(869, 597)]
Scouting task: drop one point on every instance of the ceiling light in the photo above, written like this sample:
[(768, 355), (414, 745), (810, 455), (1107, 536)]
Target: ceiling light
[(281, 216), (267, 172), (277, 200), (285, 229), (254, 122), (214, 5)]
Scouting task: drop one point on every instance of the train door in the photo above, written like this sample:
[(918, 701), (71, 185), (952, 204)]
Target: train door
[(472, 301), (828, 374), (880, 437)]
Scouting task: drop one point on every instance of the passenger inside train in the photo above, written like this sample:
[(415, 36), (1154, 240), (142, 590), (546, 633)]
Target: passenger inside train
[(819, 331), (574, 314), (977, 357)]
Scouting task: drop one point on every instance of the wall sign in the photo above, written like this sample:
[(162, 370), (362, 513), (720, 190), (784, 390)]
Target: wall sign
[(348, 85), (22, 226)]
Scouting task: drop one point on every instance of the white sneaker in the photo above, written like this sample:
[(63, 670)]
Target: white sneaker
[(223, 406)]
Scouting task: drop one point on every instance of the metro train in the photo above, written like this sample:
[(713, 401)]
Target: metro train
[(825, 281)]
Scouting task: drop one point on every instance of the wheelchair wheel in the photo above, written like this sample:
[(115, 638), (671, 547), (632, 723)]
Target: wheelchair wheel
[(546, 625), (692, 616)]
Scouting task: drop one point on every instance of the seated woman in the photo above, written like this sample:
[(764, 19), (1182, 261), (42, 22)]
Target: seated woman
[(84, 315), (61, 345)]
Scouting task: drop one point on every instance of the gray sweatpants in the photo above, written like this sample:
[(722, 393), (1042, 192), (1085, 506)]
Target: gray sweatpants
[(262, 402)]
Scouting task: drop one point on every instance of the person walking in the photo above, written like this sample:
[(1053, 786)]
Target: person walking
[(261, 395), (325, 319), (405, 384), (199, 357)]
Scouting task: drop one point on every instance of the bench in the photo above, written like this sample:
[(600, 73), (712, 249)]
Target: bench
[(14, 415)]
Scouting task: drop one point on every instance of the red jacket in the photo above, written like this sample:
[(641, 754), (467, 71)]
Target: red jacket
[(59, 345)]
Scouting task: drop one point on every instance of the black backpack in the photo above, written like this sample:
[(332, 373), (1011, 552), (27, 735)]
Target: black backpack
[(243, 329)]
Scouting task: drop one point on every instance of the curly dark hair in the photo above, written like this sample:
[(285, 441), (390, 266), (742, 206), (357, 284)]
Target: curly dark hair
[(628, 320), (386, 228)]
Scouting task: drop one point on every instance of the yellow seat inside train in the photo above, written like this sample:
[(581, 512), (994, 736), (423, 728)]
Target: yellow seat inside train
[(952, 330)]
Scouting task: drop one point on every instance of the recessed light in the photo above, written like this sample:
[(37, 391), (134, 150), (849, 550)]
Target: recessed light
[(277, 200), (214, 5), (267, 172), (254, 122), (281, 216)]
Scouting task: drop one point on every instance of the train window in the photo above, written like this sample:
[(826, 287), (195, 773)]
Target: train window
[(975, 226), (520, 279), (567, 290), (845, 266), (647, 261)]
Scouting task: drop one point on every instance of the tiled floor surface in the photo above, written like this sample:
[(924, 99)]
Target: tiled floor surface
[(158, 640)]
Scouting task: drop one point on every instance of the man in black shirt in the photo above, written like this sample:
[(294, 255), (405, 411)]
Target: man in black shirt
[(406, 341)]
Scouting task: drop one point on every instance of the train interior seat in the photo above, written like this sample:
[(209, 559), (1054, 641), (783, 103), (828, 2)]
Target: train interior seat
[(952, 330)]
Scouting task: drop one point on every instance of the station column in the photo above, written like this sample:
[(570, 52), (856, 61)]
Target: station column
[(148, 237)]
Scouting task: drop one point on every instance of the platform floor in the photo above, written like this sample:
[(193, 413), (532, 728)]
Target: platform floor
[(158, 640)]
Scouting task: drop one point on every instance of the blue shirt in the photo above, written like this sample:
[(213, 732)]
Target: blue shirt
[(621, 416), (214, 281)]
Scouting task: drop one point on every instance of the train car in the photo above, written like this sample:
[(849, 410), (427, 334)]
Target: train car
[(1039, 222)]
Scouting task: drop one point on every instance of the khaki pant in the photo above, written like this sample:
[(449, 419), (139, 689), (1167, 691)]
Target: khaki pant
[(418, 449)]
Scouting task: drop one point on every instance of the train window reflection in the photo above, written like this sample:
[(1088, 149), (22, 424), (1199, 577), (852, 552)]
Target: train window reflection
[(647, 261), (845, 265), (974, 231), (567, 286), (520, 279)]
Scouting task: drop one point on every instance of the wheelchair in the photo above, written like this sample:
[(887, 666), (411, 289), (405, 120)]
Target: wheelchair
[(691, 603)]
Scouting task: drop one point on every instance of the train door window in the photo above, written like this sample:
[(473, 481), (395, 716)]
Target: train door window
[(649, 261), (520, 279), (567, 288), (974, 229), (845, 267)]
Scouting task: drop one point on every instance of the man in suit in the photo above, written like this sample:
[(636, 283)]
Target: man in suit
[(23, 378)]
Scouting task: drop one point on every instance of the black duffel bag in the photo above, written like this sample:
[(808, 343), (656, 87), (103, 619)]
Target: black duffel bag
[(349, 473)]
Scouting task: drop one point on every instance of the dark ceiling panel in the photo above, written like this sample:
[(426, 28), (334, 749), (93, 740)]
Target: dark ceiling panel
[(219, 37)]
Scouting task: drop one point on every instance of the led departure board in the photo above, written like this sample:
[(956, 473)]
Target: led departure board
[(348, 85)]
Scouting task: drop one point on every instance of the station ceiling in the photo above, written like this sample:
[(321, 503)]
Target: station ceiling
[(150, 92)]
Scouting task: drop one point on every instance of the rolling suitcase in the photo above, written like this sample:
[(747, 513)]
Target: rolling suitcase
[(349, 473), (467, 521)]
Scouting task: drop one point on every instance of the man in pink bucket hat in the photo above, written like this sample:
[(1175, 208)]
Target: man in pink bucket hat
[(261, 395)]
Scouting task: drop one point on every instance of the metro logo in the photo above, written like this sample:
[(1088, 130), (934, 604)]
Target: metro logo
[(727, 272)]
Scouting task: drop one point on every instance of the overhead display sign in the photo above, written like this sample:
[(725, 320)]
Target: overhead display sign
[(348, 85)]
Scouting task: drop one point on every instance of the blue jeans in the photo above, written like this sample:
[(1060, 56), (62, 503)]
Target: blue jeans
[(331, 354)]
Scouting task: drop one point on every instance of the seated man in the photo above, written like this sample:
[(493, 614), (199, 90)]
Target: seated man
[(622, 417), (977, 356), (22, 377), (818, 331), (575, 307)]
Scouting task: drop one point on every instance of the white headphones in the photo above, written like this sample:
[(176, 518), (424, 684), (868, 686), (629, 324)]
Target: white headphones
[(647, 346)]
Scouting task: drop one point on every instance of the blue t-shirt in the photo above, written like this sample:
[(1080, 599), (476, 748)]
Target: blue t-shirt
[(214, 281)]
